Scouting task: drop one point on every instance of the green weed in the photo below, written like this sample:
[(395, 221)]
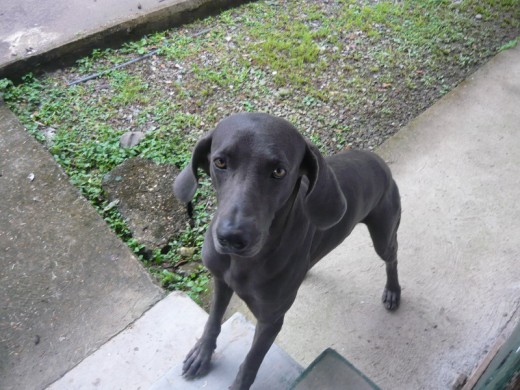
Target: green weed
[(509, 45)]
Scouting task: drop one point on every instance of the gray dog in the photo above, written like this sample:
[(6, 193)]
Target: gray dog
[(281, 208)]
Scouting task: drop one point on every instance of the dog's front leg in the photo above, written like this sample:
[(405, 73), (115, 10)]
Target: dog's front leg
[(265, 334), (197, 362)]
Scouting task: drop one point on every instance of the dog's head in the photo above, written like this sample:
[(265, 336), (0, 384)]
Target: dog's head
[(256, 162)]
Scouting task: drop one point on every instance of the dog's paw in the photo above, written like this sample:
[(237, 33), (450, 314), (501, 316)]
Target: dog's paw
[(391, 298), (197, 362)]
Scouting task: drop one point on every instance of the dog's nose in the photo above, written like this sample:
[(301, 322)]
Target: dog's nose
[(231, 240), (232, 236)]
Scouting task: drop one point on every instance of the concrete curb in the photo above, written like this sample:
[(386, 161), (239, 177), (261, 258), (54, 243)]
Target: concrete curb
[(61, 52)]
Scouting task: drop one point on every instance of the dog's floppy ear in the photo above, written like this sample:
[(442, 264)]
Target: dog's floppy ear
[(324, 203), (186, 182)]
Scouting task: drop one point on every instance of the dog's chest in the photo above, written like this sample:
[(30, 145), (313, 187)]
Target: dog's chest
[(241, 279)]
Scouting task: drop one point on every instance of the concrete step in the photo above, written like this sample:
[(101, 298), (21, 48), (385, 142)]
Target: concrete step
[(278, 370), (141, 354)]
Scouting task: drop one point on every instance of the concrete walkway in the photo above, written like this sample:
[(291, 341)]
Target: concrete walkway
[(68, 285)]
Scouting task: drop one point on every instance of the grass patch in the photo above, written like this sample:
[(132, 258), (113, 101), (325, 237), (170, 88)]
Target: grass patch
[(346, 73)]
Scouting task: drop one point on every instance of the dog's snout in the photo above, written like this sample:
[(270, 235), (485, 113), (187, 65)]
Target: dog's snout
[(231, 237), (232, 241)]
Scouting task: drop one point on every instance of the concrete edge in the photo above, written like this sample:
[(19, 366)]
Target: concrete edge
[(112, 36)]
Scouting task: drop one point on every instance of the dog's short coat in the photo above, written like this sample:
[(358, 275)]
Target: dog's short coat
[(281, 208)]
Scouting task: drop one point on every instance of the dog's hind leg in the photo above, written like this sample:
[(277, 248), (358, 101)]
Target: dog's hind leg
[(382, 224)]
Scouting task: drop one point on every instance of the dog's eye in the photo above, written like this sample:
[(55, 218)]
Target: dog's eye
[(220, 163), (279, 173)]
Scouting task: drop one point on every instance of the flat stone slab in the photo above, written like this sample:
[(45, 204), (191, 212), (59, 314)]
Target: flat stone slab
[(137, 357), (278, 370), (67, 283), (143, 193)]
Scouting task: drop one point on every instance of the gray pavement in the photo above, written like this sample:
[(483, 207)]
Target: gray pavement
[(68, 285), (144, 352)]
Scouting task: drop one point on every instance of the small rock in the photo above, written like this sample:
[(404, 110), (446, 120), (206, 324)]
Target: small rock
[(49, 133), (131, 139), (111, 205), (459, 382), (31, 176), (189, 268), (283, 92), (186, 252)]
